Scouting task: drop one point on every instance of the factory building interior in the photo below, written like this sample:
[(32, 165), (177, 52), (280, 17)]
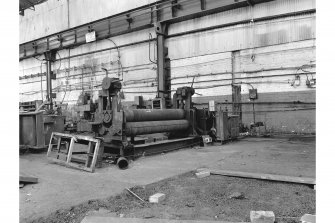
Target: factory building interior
[(167, 111)]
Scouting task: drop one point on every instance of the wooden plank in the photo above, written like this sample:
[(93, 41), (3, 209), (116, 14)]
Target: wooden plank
[(88, 152), (263, 176), (74, 165), (69, 155), (96, 151), (50, 144), (28, 179), (88, 138), (91, 152), (81, 167), (58, 146)]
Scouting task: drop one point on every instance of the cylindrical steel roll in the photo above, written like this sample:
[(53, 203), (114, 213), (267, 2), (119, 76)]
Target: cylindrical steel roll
[(142, 115), (141, 128)]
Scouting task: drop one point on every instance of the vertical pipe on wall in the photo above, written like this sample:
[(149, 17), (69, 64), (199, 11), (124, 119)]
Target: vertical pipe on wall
[(68, 14)]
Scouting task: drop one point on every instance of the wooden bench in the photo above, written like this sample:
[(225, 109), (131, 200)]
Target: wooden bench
[(63, 152)]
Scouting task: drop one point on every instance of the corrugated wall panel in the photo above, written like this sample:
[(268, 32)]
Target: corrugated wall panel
[(204, 70), (277, 31), (246, 13)]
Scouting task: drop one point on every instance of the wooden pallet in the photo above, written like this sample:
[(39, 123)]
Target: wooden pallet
[(63, 152)]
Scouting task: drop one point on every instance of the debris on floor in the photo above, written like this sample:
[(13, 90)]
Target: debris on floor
[(135, 195), (202, 174), (157, 198), (187, 198), (237, 195), (308, 218), (262, 217), (25, 179), (28, 179)]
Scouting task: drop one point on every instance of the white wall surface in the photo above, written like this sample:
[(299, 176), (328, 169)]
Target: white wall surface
[(57, 15)]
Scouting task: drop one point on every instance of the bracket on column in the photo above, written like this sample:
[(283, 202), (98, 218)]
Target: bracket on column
[(129, 20), (202, 4), (75, 36), (50, 55), (161, 29), (35, 47), (174, 7), (52, 75), (60, 39)]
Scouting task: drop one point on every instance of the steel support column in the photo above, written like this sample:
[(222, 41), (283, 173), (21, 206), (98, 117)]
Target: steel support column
[(50, 57), (49, 83), (163, 66), (236, 89)]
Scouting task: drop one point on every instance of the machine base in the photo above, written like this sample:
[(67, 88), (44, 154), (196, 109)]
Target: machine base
[(166, 146)]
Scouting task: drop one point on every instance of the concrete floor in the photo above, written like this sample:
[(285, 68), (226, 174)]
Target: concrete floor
[(61, 187)]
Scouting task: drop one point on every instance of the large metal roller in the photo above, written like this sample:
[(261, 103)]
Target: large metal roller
[(141, 115), (142, 128)]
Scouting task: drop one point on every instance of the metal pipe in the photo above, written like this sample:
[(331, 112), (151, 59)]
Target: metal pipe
[(142, 128), (122, 163), (141, 115)]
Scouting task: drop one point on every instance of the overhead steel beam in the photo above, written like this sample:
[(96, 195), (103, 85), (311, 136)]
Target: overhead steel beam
[(251, 2), (191, 11), (165, 11)]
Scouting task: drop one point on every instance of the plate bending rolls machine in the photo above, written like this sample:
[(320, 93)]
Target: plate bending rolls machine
[(117, 128)]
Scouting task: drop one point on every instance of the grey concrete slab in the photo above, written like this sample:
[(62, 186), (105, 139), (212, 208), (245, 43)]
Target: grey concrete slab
[(102, 219)]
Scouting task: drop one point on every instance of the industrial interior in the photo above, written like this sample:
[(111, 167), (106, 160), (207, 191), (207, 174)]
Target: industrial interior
[(167, 110)]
